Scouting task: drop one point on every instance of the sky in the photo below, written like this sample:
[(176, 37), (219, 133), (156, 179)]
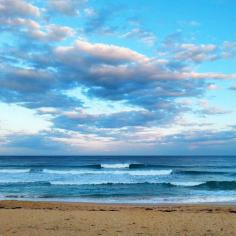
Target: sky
[(99, 77)]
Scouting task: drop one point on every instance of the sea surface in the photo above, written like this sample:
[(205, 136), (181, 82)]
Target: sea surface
[(119, 179)]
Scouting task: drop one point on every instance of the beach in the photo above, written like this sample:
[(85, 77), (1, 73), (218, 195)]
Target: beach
[(86, 196), (56, 218)]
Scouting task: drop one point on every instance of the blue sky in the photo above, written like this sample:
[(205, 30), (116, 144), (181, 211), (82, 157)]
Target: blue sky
[(86, 77)]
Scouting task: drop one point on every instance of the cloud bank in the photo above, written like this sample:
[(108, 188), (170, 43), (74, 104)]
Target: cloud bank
[(43, 61)]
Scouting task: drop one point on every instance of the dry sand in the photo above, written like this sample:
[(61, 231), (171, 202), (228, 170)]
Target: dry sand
[(39, 218)]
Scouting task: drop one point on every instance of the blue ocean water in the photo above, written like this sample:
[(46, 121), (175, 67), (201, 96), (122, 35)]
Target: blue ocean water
[(119, 179)]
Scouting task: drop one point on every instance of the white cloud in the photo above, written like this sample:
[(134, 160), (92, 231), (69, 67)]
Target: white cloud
[(207, 109), (15, 8), (52, 33), (212, 87), (90, 11), (103, 53), (68, 7), (146, 37)]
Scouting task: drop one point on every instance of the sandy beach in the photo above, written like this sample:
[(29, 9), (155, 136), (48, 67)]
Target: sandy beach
[(43, 218)]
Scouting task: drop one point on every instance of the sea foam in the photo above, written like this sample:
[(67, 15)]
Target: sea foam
[(110, 172), (187, 184), (115, 166), (14, 171)]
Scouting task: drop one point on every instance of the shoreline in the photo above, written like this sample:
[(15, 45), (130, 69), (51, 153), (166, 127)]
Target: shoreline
[(87, 219), (55, 205), (31, 202)]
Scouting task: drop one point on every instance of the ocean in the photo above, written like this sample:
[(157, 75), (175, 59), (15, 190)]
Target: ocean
[(119, 179)]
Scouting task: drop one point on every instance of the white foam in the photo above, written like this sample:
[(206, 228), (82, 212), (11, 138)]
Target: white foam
[(14, 171), (64, 172), (13, 181), (138, 172), (150, 172), (204, 199), (115, 166), (80, 172), (98, 182), (84, 183), (169, 200), (186, 183), (110, 172), (134, 200)]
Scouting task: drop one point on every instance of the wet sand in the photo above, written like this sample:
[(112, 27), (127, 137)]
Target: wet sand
[(43, 218)]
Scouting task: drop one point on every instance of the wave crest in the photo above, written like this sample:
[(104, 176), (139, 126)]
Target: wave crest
[(14, 171), (115, 166), (109, 172)]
